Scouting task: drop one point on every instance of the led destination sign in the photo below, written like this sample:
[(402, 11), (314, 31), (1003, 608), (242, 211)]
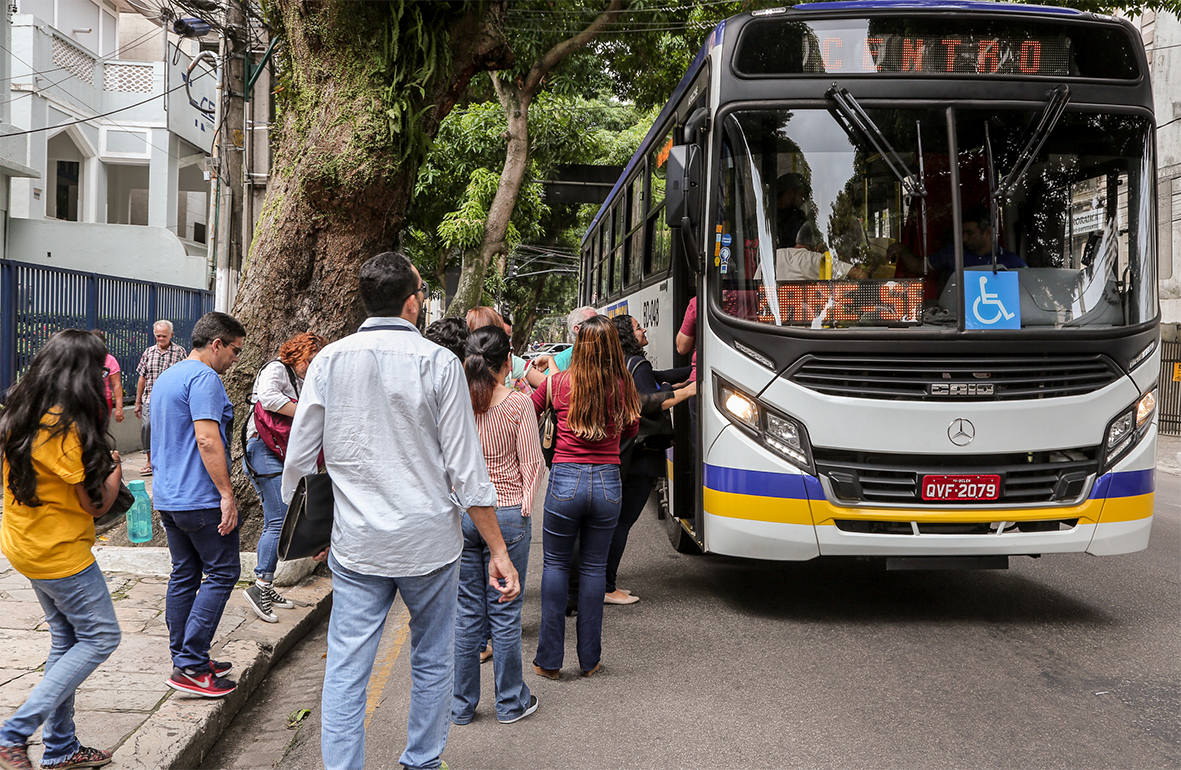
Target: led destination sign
[(942, 54), (898, 45)]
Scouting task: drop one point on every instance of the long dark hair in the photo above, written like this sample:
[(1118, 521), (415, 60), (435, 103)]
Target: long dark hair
[(487, 349), (600, 387), (62, 390), (627, 336)]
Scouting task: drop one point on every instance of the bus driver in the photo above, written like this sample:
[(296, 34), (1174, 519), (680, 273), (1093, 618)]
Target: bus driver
[(977, 249)]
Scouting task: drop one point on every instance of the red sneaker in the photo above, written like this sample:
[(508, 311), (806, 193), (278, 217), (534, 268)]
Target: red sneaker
[(204, 684), (15, 758), (220, 667), (83, 757)]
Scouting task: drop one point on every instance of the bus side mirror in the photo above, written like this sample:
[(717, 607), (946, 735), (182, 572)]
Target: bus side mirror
[(683, 192)]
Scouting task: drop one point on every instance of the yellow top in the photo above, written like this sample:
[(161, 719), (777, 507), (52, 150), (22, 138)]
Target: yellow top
[(54, 539)]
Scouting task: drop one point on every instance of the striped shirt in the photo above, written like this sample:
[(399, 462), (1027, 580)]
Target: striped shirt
[(153, 363), (512, 449)]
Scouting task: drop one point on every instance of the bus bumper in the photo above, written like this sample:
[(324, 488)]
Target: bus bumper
[(785, 516)]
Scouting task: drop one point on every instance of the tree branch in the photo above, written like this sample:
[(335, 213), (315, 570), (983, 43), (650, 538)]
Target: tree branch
[(563, 49)]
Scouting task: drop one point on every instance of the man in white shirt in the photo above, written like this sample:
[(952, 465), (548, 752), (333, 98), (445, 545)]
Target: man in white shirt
[(392, 413), (805, 262)]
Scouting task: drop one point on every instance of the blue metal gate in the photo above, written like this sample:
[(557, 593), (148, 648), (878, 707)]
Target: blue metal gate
[(36, 301)]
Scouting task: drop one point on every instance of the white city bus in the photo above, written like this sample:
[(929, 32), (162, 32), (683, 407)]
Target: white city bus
[(922, 239)]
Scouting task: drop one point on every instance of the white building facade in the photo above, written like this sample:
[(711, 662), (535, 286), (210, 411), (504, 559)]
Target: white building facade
[(119, 144)]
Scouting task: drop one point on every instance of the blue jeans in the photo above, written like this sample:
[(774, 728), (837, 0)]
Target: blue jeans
[(83, 633), (360, 604), (269, 491), (193, 608), (582, 503), (480, 609)]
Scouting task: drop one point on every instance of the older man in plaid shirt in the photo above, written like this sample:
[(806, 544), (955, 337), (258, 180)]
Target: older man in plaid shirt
[(152, 364)]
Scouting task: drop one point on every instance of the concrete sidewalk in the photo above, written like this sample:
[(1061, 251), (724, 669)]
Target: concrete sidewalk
[(124, 706)]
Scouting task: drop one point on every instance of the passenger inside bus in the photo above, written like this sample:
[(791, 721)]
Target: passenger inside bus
[(791, 208), (977, 249), (810, 260)]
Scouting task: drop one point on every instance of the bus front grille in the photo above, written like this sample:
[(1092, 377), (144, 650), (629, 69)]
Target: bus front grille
[(924, 378), (1026, 477)]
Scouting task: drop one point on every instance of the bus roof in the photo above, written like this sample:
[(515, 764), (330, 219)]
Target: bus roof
[(935, 5), (714, 39)]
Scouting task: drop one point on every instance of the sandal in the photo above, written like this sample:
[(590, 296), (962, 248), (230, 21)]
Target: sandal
[(145, 471)]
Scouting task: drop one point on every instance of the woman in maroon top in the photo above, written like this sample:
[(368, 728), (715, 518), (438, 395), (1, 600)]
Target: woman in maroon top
[(596, 404)]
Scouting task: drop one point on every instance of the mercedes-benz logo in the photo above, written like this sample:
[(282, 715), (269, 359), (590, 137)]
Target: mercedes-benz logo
[(961, 431)]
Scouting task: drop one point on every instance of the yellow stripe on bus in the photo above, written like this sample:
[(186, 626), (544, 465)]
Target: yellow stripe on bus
[(756, 508), (1127, 508)]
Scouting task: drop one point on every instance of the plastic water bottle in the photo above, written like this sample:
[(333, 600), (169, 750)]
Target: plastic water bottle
[(139, 516)]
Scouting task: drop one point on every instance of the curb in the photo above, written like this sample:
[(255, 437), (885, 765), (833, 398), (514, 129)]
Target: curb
[(182, 729)]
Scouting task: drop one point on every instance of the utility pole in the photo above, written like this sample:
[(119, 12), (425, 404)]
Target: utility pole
[(232, 142)]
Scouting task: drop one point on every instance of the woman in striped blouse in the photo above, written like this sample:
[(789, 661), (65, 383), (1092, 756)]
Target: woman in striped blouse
[(507, 426)]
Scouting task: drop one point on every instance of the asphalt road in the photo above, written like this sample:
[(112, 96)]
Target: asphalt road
[(1069, 662)]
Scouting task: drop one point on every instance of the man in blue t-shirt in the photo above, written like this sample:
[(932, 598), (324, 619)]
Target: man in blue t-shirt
[(191, 417), (560, 362), (977, 249)]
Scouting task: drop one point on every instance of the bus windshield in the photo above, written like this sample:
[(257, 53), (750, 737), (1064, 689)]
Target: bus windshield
[(844, 218)]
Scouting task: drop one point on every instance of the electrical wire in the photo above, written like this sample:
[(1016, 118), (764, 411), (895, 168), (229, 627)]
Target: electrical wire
[(43, 73), (104, 114), (83, 120)]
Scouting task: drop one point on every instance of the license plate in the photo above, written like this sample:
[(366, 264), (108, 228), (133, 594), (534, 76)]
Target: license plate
[(974, 487)]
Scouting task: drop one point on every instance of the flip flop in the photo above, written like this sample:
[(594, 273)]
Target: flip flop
[(145, 471)]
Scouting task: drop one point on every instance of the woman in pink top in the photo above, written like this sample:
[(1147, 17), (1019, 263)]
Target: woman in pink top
[(596, 404), (508, 433), (112, 379)]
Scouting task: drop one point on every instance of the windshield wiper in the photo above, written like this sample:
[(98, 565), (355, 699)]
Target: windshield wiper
[(860, 128), (1035, 137)]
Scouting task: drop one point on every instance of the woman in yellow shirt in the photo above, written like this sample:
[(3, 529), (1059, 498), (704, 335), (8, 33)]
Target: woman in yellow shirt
[(60, 474)]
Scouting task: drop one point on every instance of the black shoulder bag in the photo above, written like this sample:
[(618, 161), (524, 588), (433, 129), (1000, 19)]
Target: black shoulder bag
[(307, 527)]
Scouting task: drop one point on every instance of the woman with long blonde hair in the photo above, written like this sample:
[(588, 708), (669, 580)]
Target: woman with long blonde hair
[(596, 405)]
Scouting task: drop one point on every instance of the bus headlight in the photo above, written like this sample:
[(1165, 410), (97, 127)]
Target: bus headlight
[(1126, 430), (778, 432), (786, 436), (739, 405)]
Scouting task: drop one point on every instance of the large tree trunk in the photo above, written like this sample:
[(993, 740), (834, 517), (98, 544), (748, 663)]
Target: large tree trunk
[(365, 87), (515, 98)]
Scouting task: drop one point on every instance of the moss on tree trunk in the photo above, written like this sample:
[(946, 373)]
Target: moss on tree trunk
[(364, 88)]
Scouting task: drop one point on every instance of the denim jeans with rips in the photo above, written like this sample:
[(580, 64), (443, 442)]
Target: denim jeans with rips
[(83, 633)]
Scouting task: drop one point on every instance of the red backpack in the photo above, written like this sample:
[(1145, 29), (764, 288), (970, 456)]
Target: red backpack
[(274, 429)]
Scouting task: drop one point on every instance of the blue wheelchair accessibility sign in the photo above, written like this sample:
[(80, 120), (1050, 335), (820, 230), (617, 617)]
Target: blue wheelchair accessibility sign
[(992, 301)]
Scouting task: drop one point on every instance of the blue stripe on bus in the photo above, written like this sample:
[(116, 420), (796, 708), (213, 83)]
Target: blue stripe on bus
[(761, 483), (1128, 483), (934, 5)]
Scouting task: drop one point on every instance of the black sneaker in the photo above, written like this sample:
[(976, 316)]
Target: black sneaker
[(220, 667), (528, 710), (277, 600), (260, 602), (197, 683)]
